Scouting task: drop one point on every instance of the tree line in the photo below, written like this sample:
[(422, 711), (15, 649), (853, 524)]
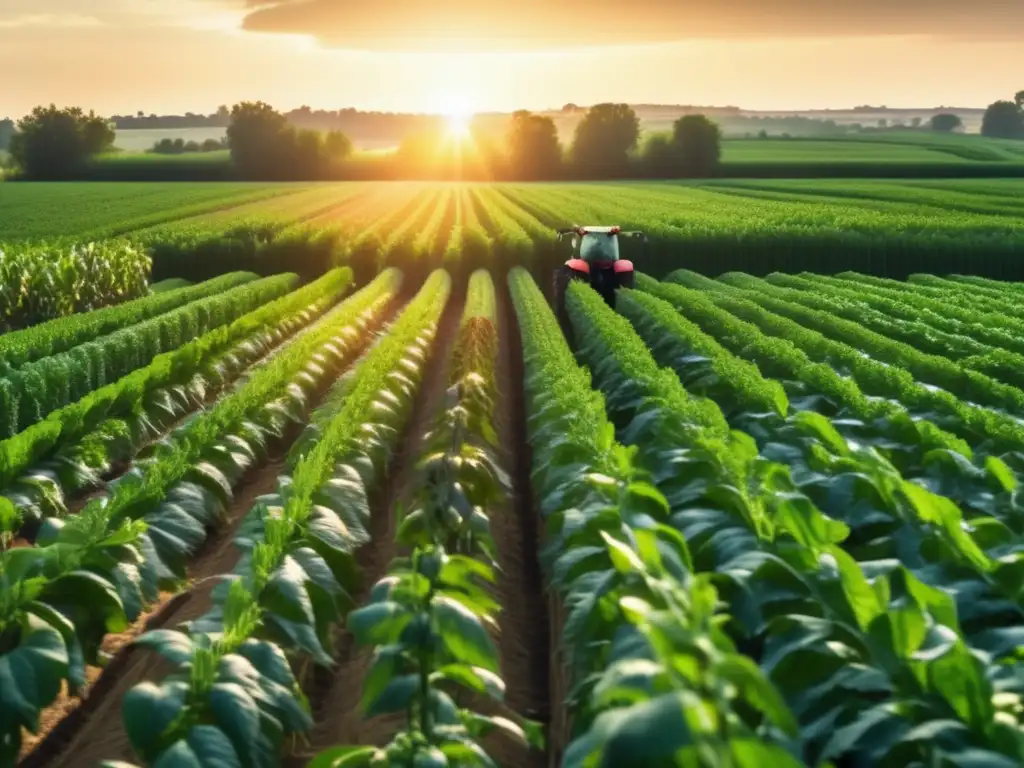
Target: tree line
[(52, 143), (1005, 119), (265, 144)]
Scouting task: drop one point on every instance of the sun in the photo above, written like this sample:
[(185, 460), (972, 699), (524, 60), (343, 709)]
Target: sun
[(458, 113), (457, 124)]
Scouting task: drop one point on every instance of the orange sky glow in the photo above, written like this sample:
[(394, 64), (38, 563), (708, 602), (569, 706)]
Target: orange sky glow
[(165, 56)]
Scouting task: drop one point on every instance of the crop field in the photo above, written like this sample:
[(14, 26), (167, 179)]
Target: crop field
[(317, 475), (909, 147)]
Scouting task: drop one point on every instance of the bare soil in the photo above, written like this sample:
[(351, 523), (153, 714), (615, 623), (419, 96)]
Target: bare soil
[(524, 642)]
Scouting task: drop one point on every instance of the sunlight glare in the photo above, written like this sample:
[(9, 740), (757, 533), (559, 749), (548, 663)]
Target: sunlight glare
[(458, 125), (455, 106)]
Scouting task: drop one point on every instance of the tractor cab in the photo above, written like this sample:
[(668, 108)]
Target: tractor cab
[(595, 259)]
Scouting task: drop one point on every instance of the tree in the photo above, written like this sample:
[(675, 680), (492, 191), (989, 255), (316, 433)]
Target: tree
[(604, 138), (533, 148), (1003, 120), (915, 122), (51, 143), (337, 146), (255, 137), (946, 122), (264, 146), (658, 156), (1019, 99), (697, 144), (6, 132)]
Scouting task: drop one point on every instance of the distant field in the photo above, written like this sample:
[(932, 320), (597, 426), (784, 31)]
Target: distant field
[(86, 211), (753, 225), (907, 147), (810, 151), (143, 139)]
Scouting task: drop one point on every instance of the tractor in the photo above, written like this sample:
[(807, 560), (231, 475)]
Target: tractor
[(595, 260)]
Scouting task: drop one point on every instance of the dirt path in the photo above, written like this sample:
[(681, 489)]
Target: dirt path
[(67, 729), (336, 693), (524, 640)]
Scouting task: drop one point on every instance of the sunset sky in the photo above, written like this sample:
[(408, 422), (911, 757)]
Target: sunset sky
[(120, 56)]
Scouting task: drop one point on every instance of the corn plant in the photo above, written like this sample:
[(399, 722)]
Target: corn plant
[(45, 282)]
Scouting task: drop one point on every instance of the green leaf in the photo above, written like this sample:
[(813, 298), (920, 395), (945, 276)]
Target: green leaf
[(148, 710), (179, 755), (204, 747), (9, 517), (622, 555), (750, 752), (379, 624), (31, 674), (474, 678), (76, 673), (213, 748), (651, 731), (758, 691), (176, 647), (386, 664), (463, 633), (430, 757), (960, 678), (238, 717), (89, 592), (286, 595), (343, 757), (1001, 475), (396, 696), (820, 427), (862, 599)]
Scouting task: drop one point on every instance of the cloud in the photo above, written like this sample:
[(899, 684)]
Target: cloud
[(544, 24), (52, 20)]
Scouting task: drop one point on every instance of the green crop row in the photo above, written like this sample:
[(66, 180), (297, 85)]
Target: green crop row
[(939, 310), (443, 584), (638, 620), (297, 574), (136, 392), (900, 322), (208, 367), (983, 492), (61, 334), (73, 210), (885, 424), (973, 423), (36, 389), (718, 228), (829, 606), (43, 282), (95, 572)]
